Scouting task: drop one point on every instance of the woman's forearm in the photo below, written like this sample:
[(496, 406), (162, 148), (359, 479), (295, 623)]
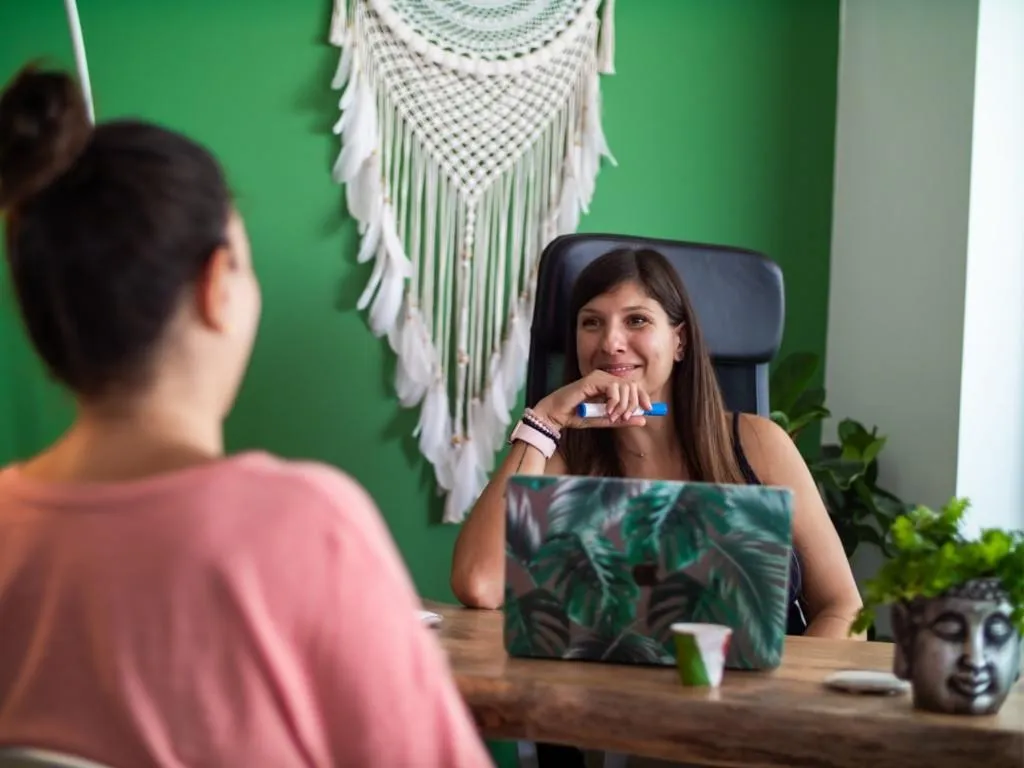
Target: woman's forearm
[(478, 562), (833, 623)]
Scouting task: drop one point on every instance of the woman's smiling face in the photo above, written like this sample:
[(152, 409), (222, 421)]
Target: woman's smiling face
[(627, 333)]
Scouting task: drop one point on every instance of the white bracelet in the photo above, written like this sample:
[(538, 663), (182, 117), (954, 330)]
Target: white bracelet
[(534, 437)]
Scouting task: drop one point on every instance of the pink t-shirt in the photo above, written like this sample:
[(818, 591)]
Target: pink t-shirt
[(249, 612)]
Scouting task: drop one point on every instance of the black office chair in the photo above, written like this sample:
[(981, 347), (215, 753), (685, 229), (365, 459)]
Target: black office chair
[(737, 294)]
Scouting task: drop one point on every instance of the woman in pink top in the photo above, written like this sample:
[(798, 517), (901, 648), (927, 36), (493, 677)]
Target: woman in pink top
[(162, 604)]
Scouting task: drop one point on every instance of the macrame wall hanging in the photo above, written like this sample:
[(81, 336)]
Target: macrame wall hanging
[(470, 137)]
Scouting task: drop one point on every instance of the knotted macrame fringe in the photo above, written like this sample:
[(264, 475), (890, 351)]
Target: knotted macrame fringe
[(454, 271)]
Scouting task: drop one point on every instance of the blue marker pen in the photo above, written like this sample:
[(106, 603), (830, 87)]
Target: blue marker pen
[(598, 410)]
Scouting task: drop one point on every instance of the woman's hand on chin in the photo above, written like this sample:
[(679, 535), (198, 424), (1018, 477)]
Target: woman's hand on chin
[(620, 397)]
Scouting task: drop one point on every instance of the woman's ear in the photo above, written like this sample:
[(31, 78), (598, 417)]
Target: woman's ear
[(680, 339), (213, 289)]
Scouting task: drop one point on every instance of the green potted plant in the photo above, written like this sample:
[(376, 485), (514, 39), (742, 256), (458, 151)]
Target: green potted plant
[(846, 473), (957, 609)]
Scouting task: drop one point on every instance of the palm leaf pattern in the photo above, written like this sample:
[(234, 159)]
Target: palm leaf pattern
[(581, 503), (667, 524), (746, 566), (773, 520), (647, 516), (755, 575), (522, 538), (724, 551), (626, 647), (535, 624), (591, 576), (681, 597)]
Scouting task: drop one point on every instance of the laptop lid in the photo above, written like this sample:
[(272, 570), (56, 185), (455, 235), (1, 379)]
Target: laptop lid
[(600, 568)]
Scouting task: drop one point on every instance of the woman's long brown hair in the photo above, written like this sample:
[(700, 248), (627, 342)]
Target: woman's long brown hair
[(698, 412)]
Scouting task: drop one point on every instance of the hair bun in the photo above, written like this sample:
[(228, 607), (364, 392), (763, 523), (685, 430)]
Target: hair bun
[(44, 126)]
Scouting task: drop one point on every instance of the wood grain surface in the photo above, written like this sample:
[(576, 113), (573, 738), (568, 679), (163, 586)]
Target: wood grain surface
[(785, 717)]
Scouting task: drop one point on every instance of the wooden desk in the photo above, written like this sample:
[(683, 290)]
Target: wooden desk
[(782, 718)]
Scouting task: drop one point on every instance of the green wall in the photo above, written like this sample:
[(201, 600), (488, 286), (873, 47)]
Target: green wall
[(721, 116)]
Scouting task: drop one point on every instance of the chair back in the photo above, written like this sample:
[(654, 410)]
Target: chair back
[(737, 295)]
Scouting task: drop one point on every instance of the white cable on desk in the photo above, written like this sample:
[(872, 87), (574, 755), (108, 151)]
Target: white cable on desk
[(78, 43)]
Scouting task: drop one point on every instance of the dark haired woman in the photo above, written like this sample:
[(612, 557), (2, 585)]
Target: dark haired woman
[(637, 341), (162, 604)]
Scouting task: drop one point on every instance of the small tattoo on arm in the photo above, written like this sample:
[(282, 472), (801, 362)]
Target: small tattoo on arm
[(522, 458)]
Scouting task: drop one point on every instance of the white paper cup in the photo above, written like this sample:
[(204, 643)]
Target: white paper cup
[(700, 653)]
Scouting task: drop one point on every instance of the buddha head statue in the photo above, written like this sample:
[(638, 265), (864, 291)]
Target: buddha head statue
[(960, 650)]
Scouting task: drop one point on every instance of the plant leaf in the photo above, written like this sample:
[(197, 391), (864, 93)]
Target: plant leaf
[(780, 418), (839, 473), (809, 400), (869, 453), (790, 377), (535, 623), (931, 555), (852, 432), (869, 534), (806, 418)]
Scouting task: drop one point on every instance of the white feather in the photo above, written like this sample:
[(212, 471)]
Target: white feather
[(416, 365), (396, 268), (371, 240), (359, 131), (434, 431), (344, 70), (470, 480), (568, 205), (497, 401), (516, 352), (477, 428), (606, 46), (376, 276), (594, 126), (339, 22), (365, 193)]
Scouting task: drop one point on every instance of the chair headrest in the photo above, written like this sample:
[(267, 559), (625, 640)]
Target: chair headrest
[(737, 294)]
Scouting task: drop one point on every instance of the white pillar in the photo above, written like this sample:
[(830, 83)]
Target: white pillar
[(926, 307), (900, 228), (990, 456)]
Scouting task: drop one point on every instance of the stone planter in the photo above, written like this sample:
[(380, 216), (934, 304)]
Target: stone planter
[(959, 651)]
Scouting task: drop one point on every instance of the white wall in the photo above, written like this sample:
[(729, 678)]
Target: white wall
[(990, 465), (900, 230), (926, 309)]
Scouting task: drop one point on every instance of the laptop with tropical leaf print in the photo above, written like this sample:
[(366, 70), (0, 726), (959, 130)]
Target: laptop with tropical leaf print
[(599, 568)]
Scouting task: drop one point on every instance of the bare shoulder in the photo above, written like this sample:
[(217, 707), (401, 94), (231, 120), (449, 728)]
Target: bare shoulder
[(768, 447), (759, 428)]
